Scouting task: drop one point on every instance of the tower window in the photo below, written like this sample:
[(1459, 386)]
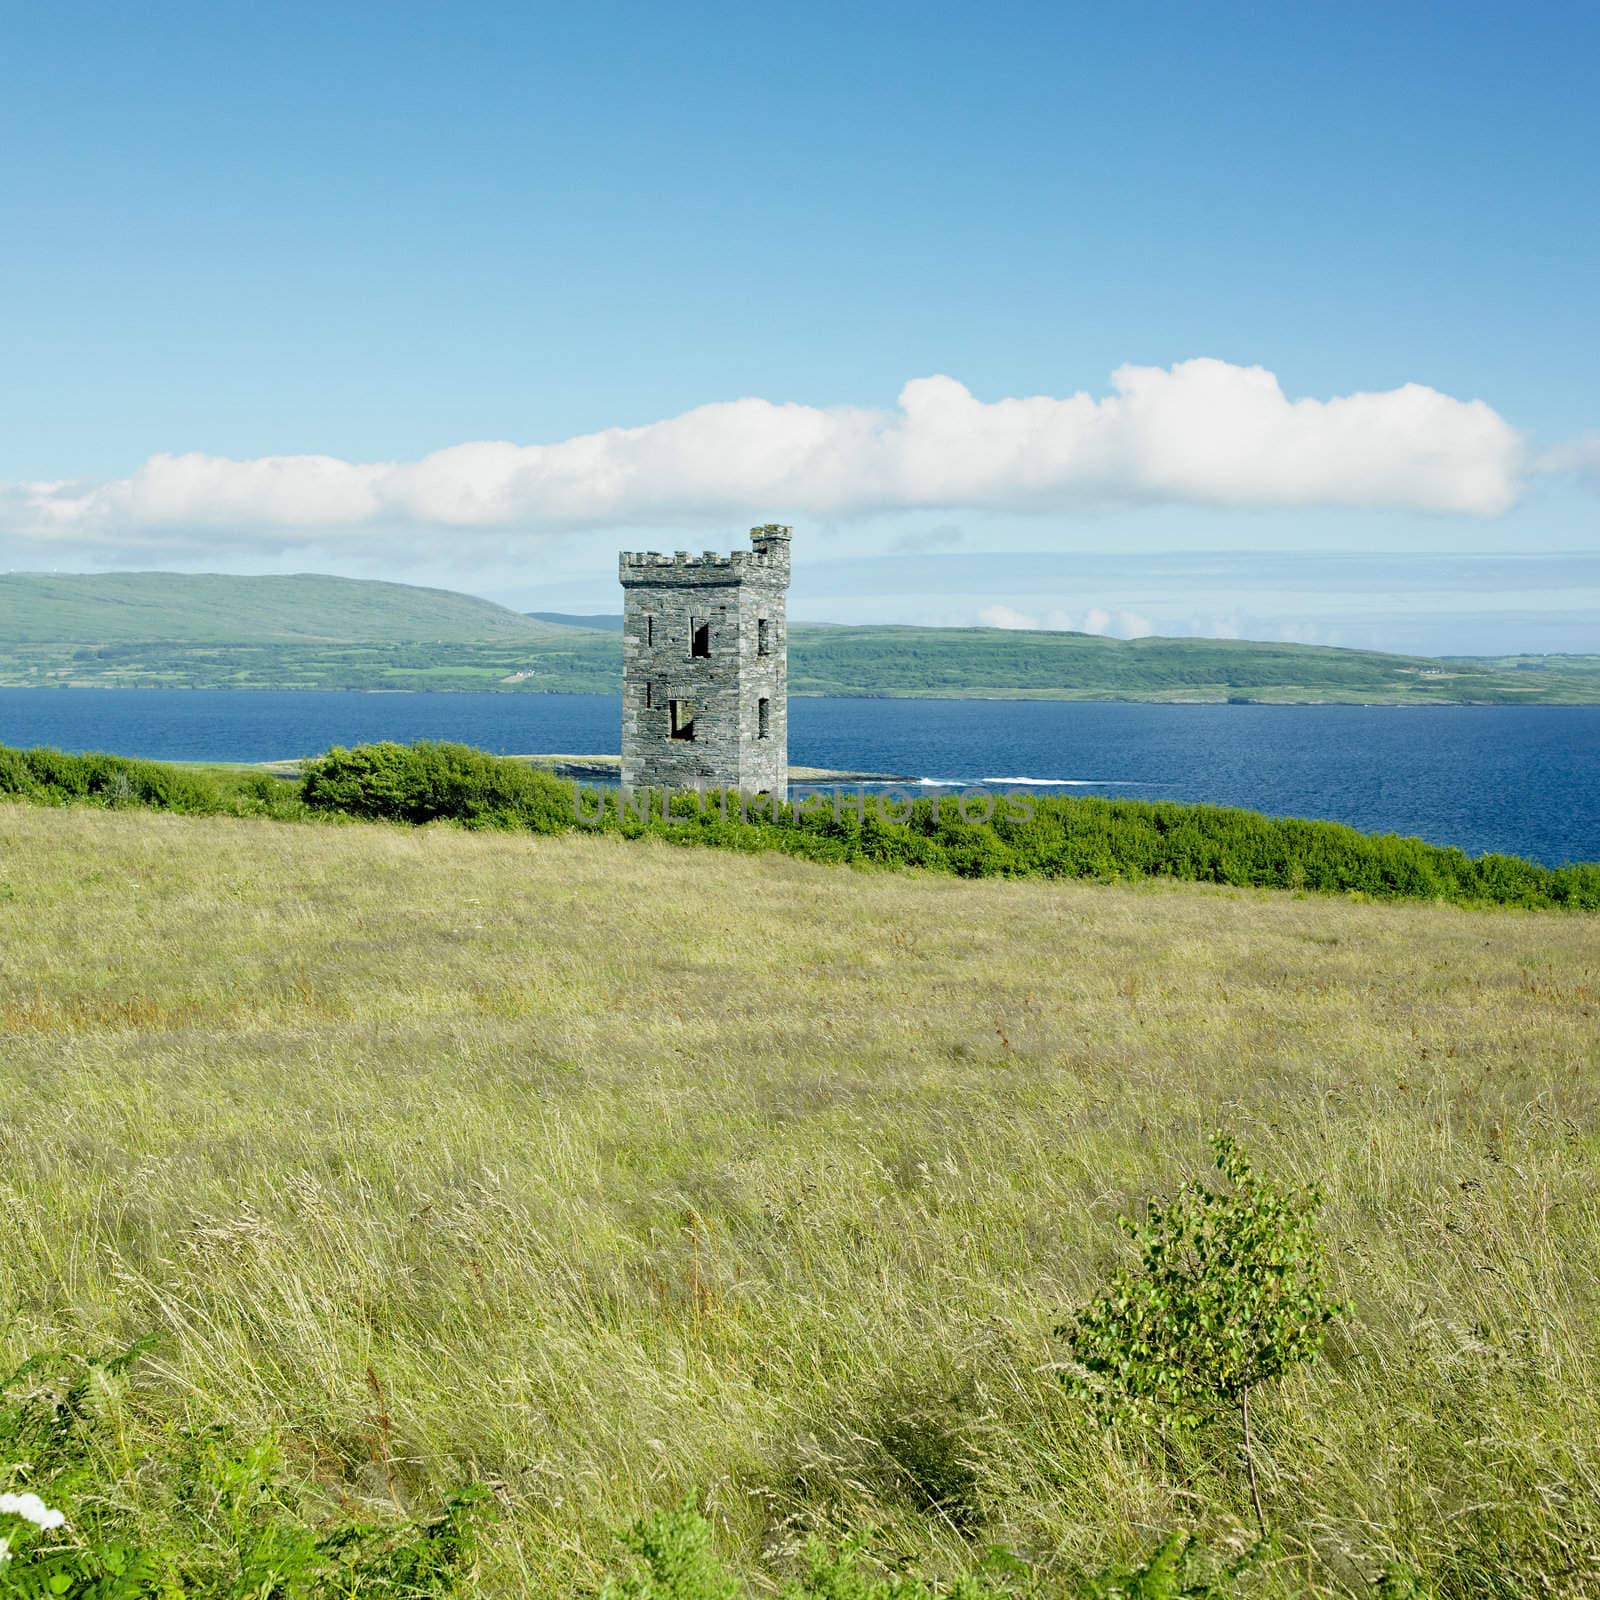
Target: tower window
[(762, 647), (649, 631), (682, 719), (701, 636), (763, 716), (649, 695)]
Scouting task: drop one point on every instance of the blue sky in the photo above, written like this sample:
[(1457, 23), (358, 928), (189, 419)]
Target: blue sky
[(234, 233)]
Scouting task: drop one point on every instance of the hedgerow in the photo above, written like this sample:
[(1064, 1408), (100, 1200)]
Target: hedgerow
[(1027, 836), (54, 777)]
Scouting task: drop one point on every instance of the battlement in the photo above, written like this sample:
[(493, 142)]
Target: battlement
[(769, 557), (679, 558)]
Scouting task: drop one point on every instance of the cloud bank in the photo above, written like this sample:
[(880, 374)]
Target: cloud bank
[(1581, 456), (1121, 623), (1202, 432)]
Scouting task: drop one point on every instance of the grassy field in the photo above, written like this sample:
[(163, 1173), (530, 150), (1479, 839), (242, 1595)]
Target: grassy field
[(625, 1171)]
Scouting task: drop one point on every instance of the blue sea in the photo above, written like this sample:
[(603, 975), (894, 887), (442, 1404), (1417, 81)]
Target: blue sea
[(1521, 779)]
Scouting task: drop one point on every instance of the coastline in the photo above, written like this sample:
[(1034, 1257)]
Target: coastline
[(1287, 696), (593, 768)]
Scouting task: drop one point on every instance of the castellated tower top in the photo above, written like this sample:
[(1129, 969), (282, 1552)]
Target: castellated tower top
[(705, 667), (772, 541), (769, 551)]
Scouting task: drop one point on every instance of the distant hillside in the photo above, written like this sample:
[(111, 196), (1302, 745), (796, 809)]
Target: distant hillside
[(168, 630), (168, 607), (1566, 665), (992, 661), (606, 621)]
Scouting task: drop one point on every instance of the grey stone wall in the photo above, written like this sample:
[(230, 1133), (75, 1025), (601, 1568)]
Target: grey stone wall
[(665, 598)]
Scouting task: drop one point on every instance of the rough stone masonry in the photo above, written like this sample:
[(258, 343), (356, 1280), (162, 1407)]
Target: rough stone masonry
[(705, 673)]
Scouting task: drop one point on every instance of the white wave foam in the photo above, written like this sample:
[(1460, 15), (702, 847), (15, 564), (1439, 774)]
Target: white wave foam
[(1071, 783)]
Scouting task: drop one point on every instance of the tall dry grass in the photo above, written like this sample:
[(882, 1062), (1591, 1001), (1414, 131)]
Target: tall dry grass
[(623, 1170)]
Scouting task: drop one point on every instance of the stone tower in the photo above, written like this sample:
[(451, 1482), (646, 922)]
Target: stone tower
[(705, 668)]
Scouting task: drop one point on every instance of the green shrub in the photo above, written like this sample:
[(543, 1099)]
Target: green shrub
[(430, 782), (673, 1560), (1229, 1293), (57, 778), (232, 1522), (1178, 1569)]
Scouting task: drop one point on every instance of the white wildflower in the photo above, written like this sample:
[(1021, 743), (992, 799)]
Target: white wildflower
[(32, 1509)]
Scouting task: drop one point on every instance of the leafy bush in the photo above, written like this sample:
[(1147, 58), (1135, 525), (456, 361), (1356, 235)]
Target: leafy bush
[(1177, 1570), (430, 781), (673, 1561), (56, 778), (53, 777), (236, 1525), (1229, 1293)]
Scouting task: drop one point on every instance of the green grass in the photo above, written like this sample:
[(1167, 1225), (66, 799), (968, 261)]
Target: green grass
[(631, 1172)]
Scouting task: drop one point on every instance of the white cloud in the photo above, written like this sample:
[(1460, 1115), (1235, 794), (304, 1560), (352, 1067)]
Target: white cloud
[(1580, 456), (1007, 617), (1202, 433), (1124, 624)]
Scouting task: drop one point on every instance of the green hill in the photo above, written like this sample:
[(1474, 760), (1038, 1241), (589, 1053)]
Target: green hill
[(169, 607), (990, 661), (1567, 664), (174, 630), (605, 621)]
